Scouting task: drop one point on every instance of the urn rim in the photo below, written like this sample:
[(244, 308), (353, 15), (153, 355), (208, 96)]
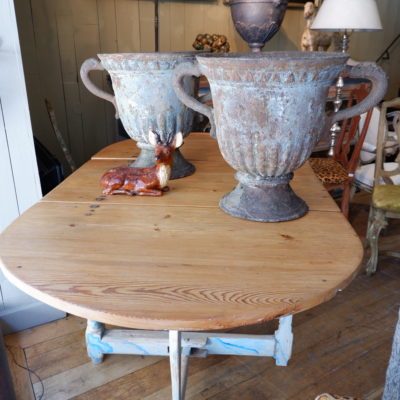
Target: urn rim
[(285, 56), (167, 55)]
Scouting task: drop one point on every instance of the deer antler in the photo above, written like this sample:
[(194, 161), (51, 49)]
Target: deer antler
[(170, 136), (154, 137), (166, 139)]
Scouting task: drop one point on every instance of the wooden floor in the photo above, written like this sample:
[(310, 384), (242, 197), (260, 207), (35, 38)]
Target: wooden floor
[(342, 346)]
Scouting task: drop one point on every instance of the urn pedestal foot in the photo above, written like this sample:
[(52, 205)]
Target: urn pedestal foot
[(181, 167), (266, 200)]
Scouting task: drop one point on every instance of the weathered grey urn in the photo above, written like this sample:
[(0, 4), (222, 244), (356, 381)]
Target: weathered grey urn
[(257, 21), (145, 99), (269, 112)]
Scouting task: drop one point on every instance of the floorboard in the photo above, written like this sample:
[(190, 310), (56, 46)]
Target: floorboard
[(341, 346)]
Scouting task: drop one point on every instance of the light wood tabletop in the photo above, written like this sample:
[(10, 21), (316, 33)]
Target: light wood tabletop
[(177, 262)]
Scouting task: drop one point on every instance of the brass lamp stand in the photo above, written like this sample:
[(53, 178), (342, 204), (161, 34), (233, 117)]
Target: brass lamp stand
[(337, 103)]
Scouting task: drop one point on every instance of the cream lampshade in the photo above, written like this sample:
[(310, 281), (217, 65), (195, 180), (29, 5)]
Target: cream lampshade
[(348, 15)]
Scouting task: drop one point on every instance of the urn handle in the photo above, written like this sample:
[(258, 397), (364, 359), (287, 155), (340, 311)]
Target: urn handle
[(379, 81), (191, 69), (93, 64)]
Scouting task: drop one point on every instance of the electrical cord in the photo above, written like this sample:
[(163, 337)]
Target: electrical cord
[(27, 369)]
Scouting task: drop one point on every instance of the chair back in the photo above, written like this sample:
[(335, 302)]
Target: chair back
[(380, 173), (348, 134), (368, 151)]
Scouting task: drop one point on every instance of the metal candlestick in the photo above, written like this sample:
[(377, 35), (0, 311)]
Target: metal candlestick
[(335, 129)]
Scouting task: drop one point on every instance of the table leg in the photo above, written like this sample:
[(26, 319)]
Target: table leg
[(284, 341), (184, 369), (179, 361), (94, 334), (175, 348)]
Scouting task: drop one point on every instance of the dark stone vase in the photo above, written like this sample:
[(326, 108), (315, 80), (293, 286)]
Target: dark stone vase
[(269, 112), (257, 21)]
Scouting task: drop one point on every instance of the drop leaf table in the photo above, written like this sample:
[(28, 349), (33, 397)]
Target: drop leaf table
[(171, 269)]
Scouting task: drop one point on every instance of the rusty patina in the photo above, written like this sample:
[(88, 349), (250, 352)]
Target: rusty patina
[(269, 112), (145, 100), (257, 21)]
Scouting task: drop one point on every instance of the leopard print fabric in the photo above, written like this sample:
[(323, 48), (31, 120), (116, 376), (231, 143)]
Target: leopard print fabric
[(327, 396), (328, 170)]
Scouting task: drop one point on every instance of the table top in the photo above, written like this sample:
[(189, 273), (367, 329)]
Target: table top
[(178, 261)]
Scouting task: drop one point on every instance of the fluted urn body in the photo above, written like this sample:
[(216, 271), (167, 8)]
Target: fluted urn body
[(269, 112), (145, 99)]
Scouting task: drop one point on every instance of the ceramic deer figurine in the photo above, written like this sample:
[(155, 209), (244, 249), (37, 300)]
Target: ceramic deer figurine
[(144, 181)]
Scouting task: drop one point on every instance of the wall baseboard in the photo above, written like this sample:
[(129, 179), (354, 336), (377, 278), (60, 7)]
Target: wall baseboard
[(28, 315)]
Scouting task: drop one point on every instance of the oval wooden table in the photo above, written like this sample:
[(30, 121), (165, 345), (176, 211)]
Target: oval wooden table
[(177, 264)]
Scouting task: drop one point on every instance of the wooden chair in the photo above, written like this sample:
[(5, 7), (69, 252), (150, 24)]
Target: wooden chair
[(364, 175), (368, 151), (338, 172), (386, 194)]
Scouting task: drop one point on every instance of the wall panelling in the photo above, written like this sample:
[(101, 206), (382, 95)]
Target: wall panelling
[(57, 35)]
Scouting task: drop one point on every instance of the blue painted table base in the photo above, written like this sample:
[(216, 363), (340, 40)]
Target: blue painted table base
[(180, 346)]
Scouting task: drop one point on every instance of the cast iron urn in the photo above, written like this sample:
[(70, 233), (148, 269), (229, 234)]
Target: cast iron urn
[(268, 114), (257, 21)]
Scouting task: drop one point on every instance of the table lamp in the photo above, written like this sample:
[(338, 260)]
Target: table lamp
[(345, 17)]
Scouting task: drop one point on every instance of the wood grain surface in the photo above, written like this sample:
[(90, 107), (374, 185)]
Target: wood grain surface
[(213, 178), (341, 346), (177, 262), (203, 189)]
